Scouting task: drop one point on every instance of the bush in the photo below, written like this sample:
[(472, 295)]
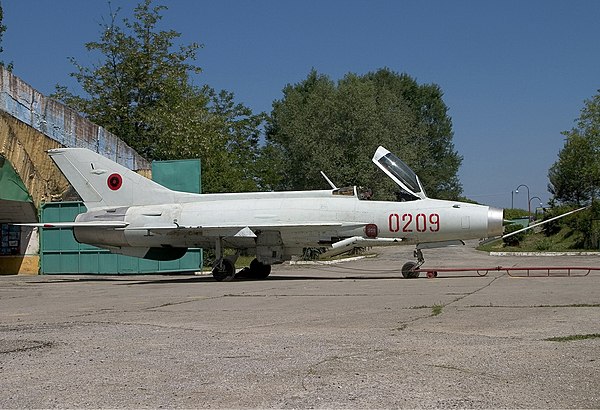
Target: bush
[(515, 213), (583, 225), (514, 240), (544, 245), (554, 227), (588, 223)]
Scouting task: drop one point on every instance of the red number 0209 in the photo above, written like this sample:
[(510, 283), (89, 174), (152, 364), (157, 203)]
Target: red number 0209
[(414, 223)]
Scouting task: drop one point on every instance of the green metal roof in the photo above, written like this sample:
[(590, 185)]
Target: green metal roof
[(11, 185)]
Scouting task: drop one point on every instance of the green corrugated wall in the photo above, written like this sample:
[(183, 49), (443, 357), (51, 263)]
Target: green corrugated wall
[(60, 253)]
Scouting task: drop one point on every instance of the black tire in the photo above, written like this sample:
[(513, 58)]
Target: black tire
[(408, 270), (225, 272), (259, 270)]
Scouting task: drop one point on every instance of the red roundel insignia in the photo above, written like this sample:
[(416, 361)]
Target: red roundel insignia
[(114, 181), (371, 230)]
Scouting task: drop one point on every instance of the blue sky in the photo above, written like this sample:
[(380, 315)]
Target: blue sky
[(514, 73)]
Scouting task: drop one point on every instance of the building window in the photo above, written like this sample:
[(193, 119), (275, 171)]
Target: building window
[(10, 237)]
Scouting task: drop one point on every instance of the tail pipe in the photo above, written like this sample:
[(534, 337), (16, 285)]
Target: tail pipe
[(495, 222)]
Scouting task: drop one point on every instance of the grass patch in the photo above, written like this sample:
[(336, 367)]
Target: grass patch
[(436, 310), (573, 305), (563, 241), (572, 338), (244, 261)]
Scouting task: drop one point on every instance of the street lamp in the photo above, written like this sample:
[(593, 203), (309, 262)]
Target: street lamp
[(539, 199), (528, 198)]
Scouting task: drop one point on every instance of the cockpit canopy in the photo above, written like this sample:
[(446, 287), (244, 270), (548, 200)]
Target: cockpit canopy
[(400, 173), (360, 192), (396, 169)]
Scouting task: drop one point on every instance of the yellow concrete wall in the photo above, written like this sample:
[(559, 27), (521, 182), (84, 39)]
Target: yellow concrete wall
[(20, 265), (26, 148), (30, 125)]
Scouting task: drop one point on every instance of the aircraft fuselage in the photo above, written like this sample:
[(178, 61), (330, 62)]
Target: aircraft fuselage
[(296, 219)]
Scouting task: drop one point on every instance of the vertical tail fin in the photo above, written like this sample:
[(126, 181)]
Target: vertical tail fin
[(101, 182)]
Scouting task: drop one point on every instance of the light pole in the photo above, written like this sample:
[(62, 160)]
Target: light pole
[(539, 199), (528, 199)]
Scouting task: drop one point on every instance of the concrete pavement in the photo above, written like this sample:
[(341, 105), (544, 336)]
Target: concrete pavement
[(351, 335)]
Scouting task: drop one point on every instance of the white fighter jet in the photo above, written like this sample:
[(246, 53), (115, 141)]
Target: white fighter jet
[(132, 215)]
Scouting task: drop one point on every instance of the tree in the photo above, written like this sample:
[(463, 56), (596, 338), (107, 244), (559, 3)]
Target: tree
[(142, 92), (138, 75), (571, 176), (231, 164), (320, 125), (575, 176), (8, 66)]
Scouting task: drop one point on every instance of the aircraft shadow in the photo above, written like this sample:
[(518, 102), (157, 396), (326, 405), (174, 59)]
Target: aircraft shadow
[(128, 280), (276, 278)]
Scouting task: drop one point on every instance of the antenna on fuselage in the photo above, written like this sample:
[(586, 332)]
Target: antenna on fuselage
[(331, 184)]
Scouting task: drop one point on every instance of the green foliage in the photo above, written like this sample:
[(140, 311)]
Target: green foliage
[(513, 240), (575, 177), (319, 125), (515, 213), (572, 338), (467, 200), (543, 245), (141, 91), (583, 226), (587, 222), (436, 310), (230, 160), (138, 83), (8, 66), (553, 227), (578, 231)]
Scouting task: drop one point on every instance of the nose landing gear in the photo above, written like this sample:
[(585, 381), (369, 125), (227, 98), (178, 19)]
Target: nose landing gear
[(409, 268)]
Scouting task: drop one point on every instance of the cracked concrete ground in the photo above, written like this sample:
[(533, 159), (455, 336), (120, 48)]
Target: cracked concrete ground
[(352, 335)]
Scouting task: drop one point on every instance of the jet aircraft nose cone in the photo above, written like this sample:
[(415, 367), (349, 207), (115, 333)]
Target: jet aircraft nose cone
[(495, 222)]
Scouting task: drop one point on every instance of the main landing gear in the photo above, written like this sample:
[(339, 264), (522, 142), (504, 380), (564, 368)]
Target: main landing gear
[(224, 267), (256, 270), (224, 271)]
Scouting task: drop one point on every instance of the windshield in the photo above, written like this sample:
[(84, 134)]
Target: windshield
[(401, 171)]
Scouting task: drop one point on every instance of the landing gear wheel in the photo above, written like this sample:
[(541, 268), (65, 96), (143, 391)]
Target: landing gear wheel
[(408, 270), (259, 270), (224, 271)]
